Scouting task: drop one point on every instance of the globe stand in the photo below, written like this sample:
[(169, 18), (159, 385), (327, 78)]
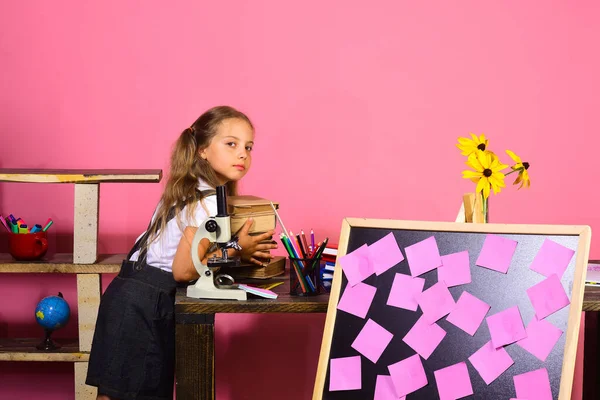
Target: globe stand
[(47, 343)]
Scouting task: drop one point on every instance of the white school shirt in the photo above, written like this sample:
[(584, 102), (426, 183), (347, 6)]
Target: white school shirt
[(162, 250)]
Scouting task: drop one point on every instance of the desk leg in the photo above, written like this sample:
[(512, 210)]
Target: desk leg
[(195, 356), (591, 384)]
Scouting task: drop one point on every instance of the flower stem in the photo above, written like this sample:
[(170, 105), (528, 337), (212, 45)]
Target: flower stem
[(485, 204), (486, 210)]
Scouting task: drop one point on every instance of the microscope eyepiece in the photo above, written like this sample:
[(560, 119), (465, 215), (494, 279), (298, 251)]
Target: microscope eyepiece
[(221, 201)]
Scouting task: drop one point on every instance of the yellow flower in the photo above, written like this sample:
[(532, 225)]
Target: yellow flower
[(487, 172), (469, 146), (522, 168)]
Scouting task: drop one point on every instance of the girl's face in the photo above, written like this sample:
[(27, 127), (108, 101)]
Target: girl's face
[(230, 150)]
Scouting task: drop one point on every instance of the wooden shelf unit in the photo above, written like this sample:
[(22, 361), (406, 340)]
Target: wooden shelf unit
[(25, 350), (85, 262), (62, 263)]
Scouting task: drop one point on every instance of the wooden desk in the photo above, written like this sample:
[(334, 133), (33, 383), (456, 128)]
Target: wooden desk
[(195, 332), (591, 298), (591, 303)]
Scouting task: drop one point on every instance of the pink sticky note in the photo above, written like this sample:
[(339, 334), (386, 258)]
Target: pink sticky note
[(372, 340), (423, 256), (455, 269), (453, 382), (506, 327), (357, 300), (553, 258), (436, 302), (547, 297), (424, 337), (534, 385), (490, 363), (345, 374), (356, 265), (384, 389), (408, 375), (541, 338), (385, 253), (266, 293), (496, 253), (404, 292), (468, 313)]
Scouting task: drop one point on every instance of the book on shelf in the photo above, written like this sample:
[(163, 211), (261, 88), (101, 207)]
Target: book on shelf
[(328, 261), (592, 277), (331, 249)]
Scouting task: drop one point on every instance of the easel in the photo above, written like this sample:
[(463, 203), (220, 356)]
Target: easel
[(491, 286)]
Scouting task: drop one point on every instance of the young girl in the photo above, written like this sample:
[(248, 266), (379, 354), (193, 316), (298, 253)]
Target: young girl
[(133, 350)]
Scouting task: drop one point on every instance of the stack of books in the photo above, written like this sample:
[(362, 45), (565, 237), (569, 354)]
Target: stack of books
[(328, 265), (240, 208)]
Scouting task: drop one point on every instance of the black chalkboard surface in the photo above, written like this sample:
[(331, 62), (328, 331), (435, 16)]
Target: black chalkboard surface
[(500, 291)]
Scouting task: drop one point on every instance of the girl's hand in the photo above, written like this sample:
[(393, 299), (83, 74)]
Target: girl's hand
[(183, 266), (252, 249)]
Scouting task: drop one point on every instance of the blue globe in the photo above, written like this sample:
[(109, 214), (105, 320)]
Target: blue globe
[(52, 312)]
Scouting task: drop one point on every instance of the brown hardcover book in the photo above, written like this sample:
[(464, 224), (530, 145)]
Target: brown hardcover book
[(252, 271), (247, 204), (263, 221)]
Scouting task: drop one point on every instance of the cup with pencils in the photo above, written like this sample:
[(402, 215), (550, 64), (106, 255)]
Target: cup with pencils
[(305, 263), (26, 243), (305, 260)]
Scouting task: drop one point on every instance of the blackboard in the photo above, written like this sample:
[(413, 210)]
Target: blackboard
[(501, 291)]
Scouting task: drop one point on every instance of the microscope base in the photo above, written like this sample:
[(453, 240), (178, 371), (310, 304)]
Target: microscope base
[(214, 293)]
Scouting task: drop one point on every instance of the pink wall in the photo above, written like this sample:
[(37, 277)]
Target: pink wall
[(357, 111)]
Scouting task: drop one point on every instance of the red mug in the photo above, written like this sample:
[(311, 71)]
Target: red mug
[(27, 246)]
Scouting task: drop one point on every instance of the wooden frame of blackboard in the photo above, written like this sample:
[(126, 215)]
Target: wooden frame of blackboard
[(574, 319)]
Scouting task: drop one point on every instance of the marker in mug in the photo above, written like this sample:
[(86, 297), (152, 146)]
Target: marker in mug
[(4, 223), (36, 228), (23, 228), (48, 224)]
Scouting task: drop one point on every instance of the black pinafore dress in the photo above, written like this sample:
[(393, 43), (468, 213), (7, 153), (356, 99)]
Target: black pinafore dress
[(133, 349)]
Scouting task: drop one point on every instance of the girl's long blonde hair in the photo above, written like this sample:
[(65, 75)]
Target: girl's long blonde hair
[(187, 167)]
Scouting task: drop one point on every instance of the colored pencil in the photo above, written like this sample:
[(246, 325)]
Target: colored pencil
[(279, 219), (301, 246), (294, 265), (308, 249)]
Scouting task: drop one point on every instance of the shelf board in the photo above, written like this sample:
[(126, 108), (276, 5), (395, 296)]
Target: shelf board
[(79, 175), (62, 263), (24, 350)]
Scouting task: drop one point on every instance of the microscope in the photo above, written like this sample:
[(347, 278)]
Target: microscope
[(218, 231)]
